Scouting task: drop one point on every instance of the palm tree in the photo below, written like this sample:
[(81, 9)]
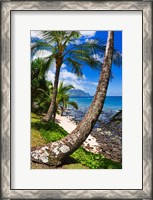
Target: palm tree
[(63, 97), (54, 153), (64, 50)]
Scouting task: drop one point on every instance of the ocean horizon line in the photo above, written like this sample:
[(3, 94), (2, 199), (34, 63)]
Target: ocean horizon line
[(93, 96)]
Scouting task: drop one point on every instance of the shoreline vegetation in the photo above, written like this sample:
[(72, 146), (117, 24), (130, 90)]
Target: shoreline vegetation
[(101, 150)]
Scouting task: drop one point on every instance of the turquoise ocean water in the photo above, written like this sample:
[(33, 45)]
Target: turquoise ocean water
[(113, 103), (111, 106)]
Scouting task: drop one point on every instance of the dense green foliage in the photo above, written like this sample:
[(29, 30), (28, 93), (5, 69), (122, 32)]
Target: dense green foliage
[(51, 132), (39, 103), (41, 97)]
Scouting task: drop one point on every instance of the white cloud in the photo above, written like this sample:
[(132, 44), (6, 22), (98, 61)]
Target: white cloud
[(63, 66), (64, 74), (76, 42), (98, 57), (74, 83), (90, 40), (88, 34), (42, 54), (70, 78), (51, 72), (84, 77), (50, 76)]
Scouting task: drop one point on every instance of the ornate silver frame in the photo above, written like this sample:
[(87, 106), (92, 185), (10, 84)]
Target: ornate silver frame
[(146, 8)]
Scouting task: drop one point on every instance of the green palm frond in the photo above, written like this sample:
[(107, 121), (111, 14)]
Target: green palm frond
[(40, 46), (46, 94), (92, 46), (63, 89), (79, 52), (51, 37), (41, 65), (117, 58), (90, 61), (49, 61), (75, 66), (73, 35), (74, 104), (63, 97), (59, 37), (111, 76)]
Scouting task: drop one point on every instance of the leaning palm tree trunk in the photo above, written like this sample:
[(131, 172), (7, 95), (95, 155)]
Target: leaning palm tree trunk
[(54, 153), (51, 114)]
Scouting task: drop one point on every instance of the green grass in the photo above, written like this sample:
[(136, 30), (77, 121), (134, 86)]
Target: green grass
[(36, 138), (43, 133), (94, 161), (50, 131), (75, 166)]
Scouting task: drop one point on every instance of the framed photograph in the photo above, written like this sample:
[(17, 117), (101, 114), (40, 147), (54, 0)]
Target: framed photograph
[(76, 82)]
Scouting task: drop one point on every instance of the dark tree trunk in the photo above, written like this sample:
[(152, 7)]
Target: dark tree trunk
[(51, 114), (54, 153), (62, 110)]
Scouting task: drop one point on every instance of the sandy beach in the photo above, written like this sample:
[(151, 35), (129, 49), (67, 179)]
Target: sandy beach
[(69, 126), (65, 123), (105, 140)]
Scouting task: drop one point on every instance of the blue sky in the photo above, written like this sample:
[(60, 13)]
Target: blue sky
[(89, 81)]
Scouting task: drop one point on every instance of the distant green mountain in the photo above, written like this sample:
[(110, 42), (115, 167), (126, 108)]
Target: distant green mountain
[(78, 93)]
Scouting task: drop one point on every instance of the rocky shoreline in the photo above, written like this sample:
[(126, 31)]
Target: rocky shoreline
[(110, 141), (107, 134)]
